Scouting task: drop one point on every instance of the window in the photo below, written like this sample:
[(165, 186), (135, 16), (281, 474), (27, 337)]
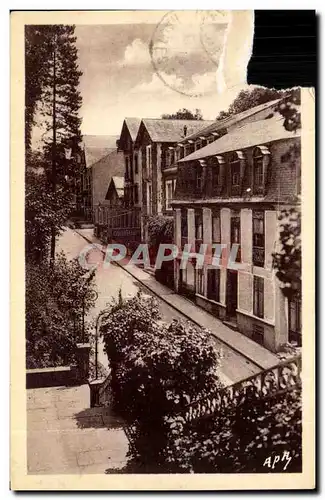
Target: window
[(189, 148), (170, 157), (149, 160), (198, 229), (258, 300), (184, 227), (235, 173), (126, 167), (136, 194), (258, 238), (149, 199), (213, 284), (199, 176), (198, 225), (236, 169), (216, 230), (200, 281), (136, 163), (216, 166), (169, 193), (235, 234), (261, 158), (294, 306)]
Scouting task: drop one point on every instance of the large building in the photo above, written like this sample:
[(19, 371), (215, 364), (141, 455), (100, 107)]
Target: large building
[(231, 191)]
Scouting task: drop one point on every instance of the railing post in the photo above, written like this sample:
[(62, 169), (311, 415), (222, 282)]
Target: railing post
[(82, 360)]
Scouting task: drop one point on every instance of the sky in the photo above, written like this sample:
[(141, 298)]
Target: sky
[(147, 67)]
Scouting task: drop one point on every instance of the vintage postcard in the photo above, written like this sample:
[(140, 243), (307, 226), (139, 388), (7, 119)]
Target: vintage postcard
[(162, 276)]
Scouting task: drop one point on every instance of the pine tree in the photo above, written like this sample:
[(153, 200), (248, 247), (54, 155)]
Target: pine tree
[(53, 93)]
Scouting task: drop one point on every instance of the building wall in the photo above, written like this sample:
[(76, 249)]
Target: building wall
[(275, 331), (102, 172)]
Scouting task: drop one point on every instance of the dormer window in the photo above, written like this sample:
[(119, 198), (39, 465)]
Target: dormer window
[(170, 157), (217, 171), (261, 158), (199, 176), (236, 172)]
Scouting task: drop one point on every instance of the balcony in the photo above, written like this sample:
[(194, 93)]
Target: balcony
[(258, 256)]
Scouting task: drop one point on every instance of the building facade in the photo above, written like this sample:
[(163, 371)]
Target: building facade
[(155, 146), (94, 172), (232, 191)]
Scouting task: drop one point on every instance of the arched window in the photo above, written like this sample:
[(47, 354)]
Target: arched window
[(236, 162), (261, 156)]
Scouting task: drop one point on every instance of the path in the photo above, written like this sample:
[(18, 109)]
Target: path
[(65, 436)]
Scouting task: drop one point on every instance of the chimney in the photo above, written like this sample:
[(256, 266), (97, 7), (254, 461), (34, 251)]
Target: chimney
[(185, 130)]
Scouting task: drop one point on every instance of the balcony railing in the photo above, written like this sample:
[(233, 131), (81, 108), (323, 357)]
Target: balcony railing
[(276, 380)]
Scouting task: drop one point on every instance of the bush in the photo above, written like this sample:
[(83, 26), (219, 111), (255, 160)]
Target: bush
[(54, 298), (160, 230), (157, 369), (240, 439)]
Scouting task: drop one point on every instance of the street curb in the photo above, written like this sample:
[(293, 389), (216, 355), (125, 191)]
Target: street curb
[(260, 367)]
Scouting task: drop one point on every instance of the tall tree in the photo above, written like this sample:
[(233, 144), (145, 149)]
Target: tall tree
[(35, 70), (57, 99), (184, 114)]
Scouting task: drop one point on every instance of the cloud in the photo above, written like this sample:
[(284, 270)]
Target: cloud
[(136, 54), (157, 85)]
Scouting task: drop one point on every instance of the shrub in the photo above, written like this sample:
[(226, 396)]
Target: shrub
[(240, 439), (287, 260), (157, 369), (160, 230), (54, 297)]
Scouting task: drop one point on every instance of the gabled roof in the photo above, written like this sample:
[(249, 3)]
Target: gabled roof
[(130, 126), (97, 146), (252, 134), (231, 120), (162, 130), (117, 182), (133, 125)]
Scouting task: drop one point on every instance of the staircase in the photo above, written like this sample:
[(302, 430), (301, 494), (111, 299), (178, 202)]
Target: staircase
[(279, 379)]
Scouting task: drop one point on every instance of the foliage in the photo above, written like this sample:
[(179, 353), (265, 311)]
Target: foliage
[(35, 70), (241, 439), (160, 229), (52, 79), (250, 98), (54, 303), (287, 260), (184, 114), (289, 109), (156, 369), (43, 208)]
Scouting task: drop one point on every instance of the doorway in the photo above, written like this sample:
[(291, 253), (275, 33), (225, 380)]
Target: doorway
[(232, 292)]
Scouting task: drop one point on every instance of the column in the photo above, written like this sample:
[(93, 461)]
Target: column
[(207, 226), (246, 235), (178, 229)]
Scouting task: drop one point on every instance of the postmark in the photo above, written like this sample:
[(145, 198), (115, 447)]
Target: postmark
[(186, 43)]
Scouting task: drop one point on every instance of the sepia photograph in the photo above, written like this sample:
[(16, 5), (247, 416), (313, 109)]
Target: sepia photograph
[(165, 260)]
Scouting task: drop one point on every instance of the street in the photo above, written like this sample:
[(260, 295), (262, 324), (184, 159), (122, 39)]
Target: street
[(110, 279)]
